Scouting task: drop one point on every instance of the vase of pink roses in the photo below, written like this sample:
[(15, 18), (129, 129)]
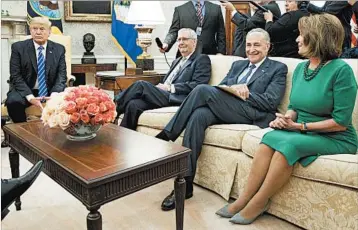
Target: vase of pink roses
[(79, 111)]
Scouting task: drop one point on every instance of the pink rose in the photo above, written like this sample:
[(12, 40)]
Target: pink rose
[(92, 109), (102, 107), (110, 105), (70, 107), (83, 111), (92, 99), (85, 118), (108, 117), (71, 96), (98, 119), (75, 118), (81, 102), (104, 97)]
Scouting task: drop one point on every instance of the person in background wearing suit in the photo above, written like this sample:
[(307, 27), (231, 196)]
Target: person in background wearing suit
[(37, 69), (245, 23), (185, 74), (343, 11), (284, 31), (260, 85), (206, 19)]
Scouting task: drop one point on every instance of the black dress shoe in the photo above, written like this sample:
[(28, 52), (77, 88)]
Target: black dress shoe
[(169, 201), (12, 188), (163, 136), (4, 144)]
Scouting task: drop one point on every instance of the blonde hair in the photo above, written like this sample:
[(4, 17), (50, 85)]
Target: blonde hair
[(41, 21), (323, 34)]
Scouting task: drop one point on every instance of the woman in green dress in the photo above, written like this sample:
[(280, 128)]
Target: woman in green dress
[(318, 120)]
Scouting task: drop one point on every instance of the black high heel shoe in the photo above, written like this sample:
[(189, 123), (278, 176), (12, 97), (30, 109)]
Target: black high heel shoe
[(12, 188)]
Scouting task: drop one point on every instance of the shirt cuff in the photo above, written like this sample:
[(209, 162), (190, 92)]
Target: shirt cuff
[(30, 97), (172, 88), (233, 13)]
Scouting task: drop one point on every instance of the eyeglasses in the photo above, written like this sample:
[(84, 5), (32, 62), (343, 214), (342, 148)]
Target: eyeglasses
[(183, 39)]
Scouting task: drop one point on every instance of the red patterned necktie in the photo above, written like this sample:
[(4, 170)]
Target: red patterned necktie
[(354, 38), (199, 13)]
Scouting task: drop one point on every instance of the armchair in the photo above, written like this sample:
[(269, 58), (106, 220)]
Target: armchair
[(33, 111)]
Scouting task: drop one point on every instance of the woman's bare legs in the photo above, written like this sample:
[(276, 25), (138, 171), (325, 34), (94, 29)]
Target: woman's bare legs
[(259, 168), (278, 174)]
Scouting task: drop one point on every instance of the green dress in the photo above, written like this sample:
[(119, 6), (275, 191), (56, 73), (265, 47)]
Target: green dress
[(330, 94)]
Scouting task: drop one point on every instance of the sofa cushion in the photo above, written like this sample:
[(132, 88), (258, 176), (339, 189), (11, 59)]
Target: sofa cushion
[(220, 66), (335, 169), (226, 136)]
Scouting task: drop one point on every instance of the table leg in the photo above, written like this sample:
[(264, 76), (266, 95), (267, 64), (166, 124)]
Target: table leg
[(179, 190), (94, 219), (15, 172)]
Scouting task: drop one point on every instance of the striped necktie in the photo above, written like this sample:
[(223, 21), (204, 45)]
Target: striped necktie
[(199, 13), (41, 73), (244, 79)]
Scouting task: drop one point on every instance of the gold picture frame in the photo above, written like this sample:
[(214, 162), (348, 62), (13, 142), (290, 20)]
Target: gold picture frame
[(82, 11)]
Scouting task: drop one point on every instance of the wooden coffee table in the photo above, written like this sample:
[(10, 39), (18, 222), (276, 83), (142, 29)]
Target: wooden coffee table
[(116, 163)]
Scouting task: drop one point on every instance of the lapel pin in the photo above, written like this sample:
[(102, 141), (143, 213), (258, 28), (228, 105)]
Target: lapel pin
[(50, 52)]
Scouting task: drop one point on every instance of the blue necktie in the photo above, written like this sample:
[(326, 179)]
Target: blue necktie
[(41, 73), (244, 79)]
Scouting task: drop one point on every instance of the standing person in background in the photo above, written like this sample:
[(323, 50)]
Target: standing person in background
[(343, 11), (284, 31), (206, 19), (245, 24)]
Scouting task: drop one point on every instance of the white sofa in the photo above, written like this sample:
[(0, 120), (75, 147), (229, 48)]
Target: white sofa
[(323, 195)]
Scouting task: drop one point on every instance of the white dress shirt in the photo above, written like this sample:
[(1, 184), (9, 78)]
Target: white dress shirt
[(247, 70), (175, 70)]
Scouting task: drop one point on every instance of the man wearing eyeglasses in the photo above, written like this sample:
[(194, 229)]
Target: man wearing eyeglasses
[(184, 75), (37, 69)]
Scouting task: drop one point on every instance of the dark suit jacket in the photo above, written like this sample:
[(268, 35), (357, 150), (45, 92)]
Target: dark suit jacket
[(245, 24), (343, 11), (267, 86), (195, 71), (283, 33), (23, 67), (212, 39)]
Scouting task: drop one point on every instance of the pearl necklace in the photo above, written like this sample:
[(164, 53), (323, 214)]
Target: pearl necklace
[(310, 76)]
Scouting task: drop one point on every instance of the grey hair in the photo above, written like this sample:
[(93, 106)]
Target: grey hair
[(191, 33), (263, 32)]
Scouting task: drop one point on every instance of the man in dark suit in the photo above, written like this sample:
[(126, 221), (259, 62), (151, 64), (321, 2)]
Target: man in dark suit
[(245, 23), (259, 84), (185, 74), (206, 19), (37, 69), (343, 11)]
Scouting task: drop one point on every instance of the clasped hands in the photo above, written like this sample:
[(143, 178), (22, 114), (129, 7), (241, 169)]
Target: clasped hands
[(37, 101), (283, 122)]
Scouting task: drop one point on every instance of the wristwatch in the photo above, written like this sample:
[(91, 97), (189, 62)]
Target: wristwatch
[(304, 127)]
